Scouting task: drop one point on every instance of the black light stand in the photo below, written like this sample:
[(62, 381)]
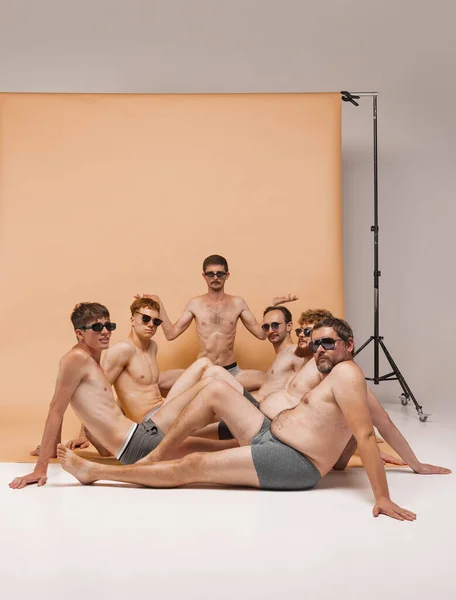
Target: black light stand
[(395, 374)]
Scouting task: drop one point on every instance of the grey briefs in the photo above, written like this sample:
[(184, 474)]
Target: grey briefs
[(279, 466), (223, 431), (233, 369), (141, 440)]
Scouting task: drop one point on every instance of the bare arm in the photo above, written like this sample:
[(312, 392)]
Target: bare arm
[(71, 372), (396, 440), (183, 322), (249, 321), (283, 299), (115, 361), (350, 393)]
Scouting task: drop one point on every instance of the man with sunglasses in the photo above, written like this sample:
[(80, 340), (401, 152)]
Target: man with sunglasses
[(307, 378), (82, 382), (216, 315), (290, 451)]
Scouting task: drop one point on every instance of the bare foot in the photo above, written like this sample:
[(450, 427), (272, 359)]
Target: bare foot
[(36, 452), (82, 469)]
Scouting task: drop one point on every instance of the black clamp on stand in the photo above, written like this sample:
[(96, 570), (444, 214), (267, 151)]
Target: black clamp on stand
[(395, 374)]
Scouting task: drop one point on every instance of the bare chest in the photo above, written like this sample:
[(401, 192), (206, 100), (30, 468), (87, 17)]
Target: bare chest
[(94, 391), (219, 315), (143, 368), (318, 412), (283, 366)]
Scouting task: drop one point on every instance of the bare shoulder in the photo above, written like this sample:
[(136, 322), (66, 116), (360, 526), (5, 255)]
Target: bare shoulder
[(195, 302), (120, 352), (76, 357), (153, 348), (237, 301), (347, 371)]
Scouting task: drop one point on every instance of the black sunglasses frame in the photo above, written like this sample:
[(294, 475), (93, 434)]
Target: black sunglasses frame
[(147, 319), (98, 327), (275, 326), (307, 331), (327, 343), (218, 274)]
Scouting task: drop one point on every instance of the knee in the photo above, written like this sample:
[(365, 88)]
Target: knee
[(193, 462), (203, 364), (215, 372), (218, 387)]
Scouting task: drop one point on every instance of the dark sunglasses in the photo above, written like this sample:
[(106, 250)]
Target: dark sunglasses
[(306, 331), (274, 326), (326, 343), (212, 274), (98, 327), (148, 319)]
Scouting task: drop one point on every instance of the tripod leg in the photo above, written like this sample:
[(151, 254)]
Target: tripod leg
[(364, 345), (404, 385)]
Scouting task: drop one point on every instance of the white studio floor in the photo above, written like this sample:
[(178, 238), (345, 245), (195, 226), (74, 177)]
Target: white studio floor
[(115, 541)]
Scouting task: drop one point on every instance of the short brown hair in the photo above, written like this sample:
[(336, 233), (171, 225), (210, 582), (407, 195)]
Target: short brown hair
[(215, 259), (88, 311), (144, 303), (341, 327), (313, 315), (283, 309)]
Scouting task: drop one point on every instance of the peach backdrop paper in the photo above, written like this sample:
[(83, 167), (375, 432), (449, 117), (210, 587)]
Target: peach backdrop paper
[(103, 196)]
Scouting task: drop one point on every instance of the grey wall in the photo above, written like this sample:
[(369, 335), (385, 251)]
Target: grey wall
[(404, 49)]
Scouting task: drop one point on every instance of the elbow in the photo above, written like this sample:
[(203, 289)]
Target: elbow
[(364, 436)]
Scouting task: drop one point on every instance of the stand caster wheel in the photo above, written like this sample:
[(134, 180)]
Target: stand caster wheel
[(404, 399), (423, 418)]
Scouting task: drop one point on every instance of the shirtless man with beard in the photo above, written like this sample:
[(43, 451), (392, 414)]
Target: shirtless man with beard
[(291, 450)]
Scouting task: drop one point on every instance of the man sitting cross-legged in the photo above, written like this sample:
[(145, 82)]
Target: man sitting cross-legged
[(292, 452), (83, 383)]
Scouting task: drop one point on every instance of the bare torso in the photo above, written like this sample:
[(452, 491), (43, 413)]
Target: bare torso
[(93, 402), (291, 393), (316, 427), (216, 322), (137, 385), (285, 365)]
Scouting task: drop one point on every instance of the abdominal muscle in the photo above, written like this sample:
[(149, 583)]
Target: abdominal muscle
[(218, 346), (137, 399)]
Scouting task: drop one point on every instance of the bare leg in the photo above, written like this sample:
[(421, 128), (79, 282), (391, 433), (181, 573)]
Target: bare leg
[(189, 377), (170, 410), (216, 372), (197, 444), (230, 467), (252, 379), (167, 379), (210, 432), (216, 398), (347, 453), (93, 440)]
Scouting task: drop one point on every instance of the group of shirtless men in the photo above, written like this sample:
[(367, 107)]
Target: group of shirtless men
[(307, 414)]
